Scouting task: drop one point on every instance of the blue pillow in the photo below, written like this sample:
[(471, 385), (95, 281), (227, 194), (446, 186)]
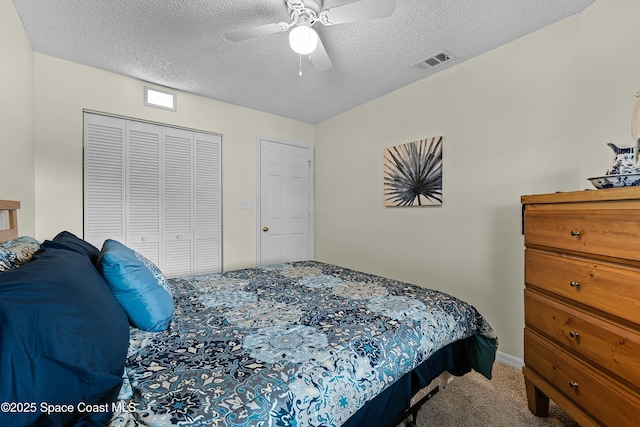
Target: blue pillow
[(138, 285), (74, 243), (64, 340)]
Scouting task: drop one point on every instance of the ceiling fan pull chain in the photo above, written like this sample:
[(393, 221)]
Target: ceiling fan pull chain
[(300, 72)]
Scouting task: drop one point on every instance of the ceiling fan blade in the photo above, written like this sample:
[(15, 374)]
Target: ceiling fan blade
[(259, 31), (358, 11), (319, 58)]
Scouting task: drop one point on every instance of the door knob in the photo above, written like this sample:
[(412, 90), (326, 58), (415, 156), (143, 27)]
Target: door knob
[(265, 228)]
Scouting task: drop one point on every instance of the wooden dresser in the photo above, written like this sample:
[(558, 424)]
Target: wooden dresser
[(582, 304)]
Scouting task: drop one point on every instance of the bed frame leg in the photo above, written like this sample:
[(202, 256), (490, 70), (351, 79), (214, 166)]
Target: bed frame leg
[(413, 410)]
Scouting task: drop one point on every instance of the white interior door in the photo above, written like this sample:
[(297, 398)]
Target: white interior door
[(286, 202), (177, 179), (104, 183), (144, 196), (207, 209)]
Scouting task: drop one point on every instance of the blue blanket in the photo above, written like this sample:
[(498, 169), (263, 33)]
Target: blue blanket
[(297, 344)]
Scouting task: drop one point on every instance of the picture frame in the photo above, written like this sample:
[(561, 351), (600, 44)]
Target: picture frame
[(413, 173)]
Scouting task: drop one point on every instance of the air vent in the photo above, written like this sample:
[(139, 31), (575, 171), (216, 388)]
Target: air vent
[(432, 61)]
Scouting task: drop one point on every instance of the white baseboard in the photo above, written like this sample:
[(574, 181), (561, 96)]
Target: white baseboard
[(509, 360)]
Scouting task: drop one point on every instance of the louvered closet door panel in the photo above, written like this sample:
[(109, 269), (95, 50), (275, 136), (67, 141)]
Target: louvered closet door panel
[(207, 185), (157, 189), (104, 184), (178, 206), (144, 190)]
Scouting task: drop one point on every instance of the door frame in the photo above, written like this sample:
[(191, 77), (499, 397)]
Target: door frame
[(311, 148)]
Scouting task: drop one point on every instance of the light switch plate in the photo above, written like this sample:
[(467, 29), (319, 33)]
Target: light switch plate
[(246, 204)]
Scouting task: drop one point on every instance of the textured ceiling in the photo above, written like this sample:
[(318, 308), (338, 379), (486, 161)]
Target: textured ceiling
[(180, 44)]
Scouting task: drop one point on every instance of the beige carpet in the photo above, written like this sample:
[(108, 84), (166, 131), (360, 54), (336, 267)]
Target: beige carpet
[(472, 400)]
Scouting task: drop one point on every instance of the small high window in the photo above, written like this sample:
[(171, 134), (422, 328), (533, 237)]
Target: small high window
[(160, 98)]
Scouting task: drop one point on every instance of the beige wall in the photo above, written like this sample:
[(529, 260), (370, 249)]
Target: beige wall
[(63, 89), (609, 77), (531, 116), (16, 118)]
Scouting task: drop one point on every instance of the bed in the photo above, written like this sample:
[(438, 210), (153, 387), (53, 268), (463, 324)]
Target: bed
[(295, 344)]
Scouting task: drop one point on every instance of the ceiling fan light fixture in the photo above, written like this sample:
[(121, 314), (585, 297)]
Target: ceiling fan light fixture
[(303, 39)]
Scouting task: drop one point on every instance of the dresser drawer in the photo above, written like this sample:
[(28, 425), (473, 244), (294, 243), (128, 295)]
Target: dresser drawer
[(611, 346), (608, 287), (599, 395), (612, 233)]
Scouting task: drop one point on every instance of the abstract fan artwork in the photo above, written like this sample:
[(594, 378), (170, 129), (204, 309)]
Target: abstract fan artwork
[(413, 173)]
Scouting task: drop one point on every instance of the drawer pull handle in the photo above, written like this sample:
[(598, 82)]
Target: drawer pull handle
[(573, 384), (575, 233), (574, 334), (574, 284)]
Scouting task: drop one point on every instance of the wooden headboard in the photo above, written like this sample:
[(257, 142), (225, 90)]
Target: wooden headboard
[(10, 206)]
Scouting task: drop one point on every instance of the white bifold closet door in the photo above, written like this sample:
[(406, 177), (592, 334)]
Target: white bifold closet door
[(156, 189)]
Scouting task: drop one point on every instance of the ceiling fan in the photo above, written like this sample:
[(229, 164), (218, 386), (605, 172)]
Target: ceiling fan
[(305, 13)]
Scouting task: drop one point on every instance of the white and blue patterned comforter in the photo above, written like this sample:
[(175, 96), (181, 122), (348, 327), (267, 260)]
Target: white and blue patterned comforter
[(300, 344)]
